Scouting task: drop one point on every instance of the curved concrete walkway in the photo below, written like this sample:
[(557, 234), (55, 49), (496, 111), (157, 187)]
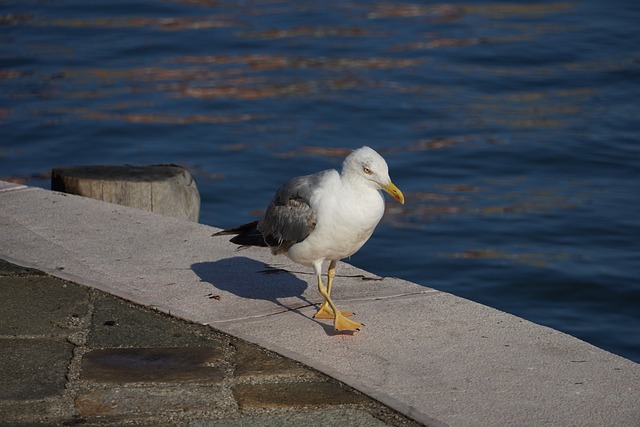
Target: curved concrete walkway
[(437, 358)]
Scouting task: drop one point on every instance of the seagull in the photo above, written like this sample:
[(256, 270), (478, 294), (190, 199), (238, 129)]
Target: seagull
[(326, 216)]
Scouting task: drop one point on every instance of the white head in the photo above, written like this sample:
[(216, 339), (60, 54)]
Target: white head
[(365, 163)]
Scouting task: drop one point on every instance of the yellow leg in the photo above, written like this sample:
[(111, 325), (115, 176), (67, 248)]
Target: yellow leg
[(325, 311), (340, 323)]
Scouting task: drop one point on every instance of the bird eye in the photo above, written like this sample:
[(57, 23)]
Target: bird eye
[(366, 170)]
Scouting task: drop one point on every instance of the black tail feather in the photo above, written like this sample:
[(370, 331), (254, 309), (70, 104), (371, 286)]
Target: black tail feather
[(245, 235)]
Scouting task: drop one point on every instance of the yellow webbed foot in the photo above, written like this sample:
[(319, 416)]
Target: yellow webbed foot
[(341, 323), (325, 312)]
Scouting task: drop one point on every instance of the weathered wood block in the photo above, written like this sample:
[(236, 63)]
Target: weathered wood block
[(168, 190)]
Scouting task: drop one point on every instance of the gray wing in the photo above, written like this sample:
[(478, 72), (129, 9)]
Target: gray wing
[(289, 218)]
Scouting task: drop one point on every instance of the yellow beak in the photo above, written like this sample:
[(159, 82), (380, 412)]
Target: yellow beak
[(394, 192)]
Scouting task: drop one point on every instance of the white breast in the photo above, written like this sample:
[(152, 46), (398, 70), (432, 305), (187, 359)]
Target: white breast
[(346, 219)]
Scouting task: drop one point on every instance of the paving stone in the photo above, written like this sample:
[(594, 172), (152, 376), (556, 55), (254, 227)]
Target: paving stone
[(58, 305), (33, 368), (8, 269), (142, 367), (320, 418), (256, 364), (139, 402), (118, 323), (29, 413), (298, 394), (129, 365)]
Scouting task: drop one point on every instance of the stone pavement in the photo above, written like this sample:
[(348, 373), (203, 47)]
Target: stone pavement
[(73, 355)]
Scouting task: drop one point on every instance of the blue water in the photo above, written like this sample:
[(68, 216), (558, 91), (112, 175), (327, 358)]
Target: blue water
[(512, 128)]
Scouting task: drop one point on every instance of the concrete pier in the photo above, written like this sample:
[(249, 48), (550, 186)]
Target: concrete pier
[(437, 358)]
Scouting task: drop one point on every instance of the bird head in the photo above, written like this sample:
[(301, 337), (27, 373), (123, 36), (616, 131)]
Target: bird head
[(365, 163)]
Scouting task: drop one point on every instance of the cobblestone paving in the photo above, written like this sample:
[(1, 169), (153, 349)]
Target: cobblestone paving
[(72, 355)]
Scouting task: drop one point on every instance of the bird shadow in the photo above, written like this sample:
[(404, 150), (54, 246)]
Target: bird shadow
[(248, 278)]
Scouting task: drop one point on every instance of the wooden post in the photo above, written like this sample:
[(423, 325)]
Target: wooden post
[(168, 190)]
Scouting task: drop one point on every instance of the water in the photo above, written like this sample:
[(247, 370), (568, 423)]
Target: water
[(511, 127)]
